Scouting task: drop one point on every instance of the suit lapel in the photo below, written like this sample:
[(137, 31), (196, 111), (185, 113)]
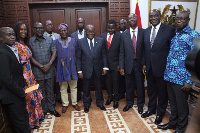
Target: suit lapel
[(87, 46), (158, 35), (128, 35), (148, 33), (113, 41), (12, 54)]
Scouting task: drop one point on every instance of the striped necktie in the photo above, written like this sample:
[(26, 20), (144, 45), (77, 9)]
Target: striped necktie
[(153, 36)]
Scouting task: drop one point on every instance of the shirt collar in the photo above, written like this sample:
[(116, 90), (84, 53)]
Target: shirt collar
[(50, 34), (157, 26), (186, 29), (136, 29), (82, 32), (34, 38)]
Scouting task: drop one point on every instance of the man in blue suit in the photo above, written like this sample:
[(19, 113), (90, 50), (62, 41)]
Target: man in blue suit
[(157, 40), (131, 53), (91, 65)]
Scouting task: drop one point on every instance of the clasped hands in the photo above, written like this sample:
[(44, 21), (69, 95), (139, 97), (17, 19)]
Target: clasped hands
[(45, 68)]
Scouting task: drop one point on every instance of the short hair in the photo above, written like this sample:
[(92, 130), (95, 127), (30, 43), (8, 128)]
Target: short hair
[(185, 12), (112, 22), (155, 10), (16, 30)]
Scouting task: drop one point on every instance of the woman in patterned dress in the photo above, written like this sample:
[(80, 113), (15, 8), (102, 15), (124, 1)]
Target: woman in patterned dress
[(33, 98)]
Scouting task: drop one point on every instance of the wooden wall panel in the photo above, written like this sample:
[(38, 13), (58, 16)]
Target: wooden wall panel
[(12, 11)]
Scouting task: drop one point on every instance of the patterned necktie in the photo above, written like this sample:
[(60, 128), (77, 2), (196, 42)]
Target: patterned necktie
[(153, 36), (134, 44), (91, 47), (109, 40)]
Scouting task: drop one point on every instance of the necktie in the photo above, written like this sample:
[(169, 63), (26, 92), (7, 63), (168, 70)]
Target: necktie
[(153, 36), (134, 43), (91, 47), (109, 40)]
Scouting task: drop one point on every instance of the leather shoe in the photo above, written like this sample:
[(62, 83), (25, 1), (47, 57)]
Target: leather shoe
[(166, 126), (101, 107), (76, 107), (127, 107), (64, 109), (140, 110), (109, 101), (115, 104), (55, 113), (147, 114), (86, 109), (121, 97), (158, 119)]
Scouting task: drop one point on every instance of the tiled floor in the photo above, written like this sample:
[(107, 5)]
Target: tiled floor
[(98, 121)]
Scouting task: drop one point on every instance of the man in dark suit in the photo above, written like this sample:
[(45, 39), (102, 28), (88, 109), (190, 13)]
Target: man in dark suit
[(157, 40), (79, 34), (91, 61), (12, 83), (131, 53), (122, 84), (112, 41)]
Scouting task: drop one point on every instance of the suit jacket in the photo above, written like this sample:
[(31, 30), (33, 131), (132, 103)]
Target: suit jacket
[(127, 51), (86, 62), (113, 51), (11, 77), (156, 57), (75, 35)]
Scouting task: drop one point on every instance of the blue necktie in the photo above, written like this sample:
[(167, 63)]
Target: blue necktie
[(91, 47)]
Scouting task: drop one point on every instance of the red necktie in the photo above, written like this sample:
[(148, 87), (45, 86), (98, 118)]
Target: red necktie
[(134, 43), (109, 40)]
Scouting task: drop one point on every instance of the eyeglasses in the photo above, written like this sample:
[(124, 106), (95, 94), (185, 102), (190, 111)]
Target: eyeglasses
[(39, 28), (181, 18), (155, 16)]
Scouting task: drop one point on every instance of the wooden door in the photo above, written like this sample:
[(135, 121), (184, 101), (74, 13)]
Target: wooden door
[(93, 13)]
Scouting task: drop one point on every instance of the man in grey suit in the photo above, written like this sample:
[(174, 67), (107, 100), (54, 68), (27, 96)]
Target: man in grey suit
[(91, 65), (79, 34)]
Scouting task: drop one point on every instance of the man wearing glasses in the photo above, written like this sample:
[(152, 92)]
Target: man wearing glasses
[(44, 53), (176, 74)]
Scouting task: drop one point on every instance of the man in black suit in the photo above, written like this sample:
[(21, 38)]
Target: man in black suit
[(112, 41), (79, 34), (91, 61), (131, 54), (12, 83), (122, 84), (157, 40)]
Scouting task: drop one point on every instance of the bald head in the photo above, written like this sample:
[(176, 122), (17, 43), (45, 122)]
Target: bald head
[(90, 31), (38, 29), (133, 19), (80, 24), (122, 24), (49, 26), (7, 36)]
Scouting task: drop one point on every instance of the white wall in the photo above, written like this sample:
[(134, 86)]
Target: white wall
[(144, 10), (198, 19)]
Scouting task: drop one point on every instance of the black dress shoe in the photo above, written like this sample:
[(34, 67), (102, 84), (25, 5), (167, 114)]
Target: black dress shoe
[(115, 104), (86, 109), (121, 97), (140, 110), (147, 114), (127, 107), (166, 126), (55, 113), (101, 107), (108, 102), (158, 119)]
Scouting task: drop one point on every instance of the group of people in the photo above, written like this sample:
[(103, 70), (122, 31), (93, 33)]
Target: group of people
[(124, 57)]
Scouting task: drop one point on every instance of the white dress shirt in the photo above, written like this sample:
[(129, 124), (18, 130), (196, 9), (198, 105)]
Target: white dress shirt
[(15, 51), (136, 32), (156, 30)]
